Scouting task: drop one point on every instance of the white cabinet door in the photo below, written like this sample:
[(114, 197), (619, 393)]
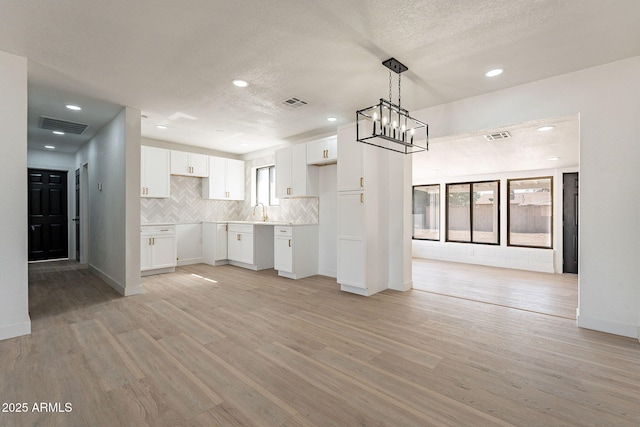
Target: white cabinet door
[(221, 242), (225, 181), (164, 251), (294, 178), (283, 173), (199, 165), (240, 247), (215, 186), (299, 176), (235, 179), (283, 254), (322, 152), (145, 253), (189, 164), (214, 242), (351, 239), (234, 246), (350, 171), (247, 248), (180, 163), (155, 172)]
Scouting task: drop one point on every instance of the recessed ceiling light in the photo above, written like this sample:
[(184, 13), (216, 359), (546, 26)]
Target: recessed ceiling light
[(50, 147), (332, 119), (545, 128), (494, 72), (161, 127), (57, 132), (240, 83), (74, 107), (553, 159)]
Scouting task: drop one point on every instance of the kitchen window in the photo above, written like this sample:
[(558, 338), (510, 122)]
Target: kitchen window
[(530, 212), (426, 212), (266, 186), (473, 212)]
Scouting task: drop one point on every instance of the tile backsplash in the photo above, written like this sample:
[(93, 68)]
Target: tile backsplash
[(186, 204)]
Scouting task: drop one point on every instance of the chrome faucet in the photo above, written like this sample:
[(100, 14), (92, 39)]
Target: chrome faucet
[(264, 211)]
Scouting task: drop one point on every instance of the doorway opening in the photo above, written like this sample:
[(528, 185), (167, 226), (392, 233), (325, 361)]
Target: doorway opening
[(528, 151), (47, 207), (570, 187)]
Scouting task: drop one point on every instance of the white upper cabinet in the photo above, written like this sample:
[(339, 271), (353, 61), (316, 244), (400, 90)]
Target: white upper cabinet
[(294, 178), (323, 151), (226, 179), (189, 164), (155, 168), (351, 173)]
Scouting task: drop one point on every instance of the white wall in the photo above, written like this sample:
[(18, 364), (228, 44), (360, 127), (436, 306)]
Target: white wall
[(327, 224), (14, 303), (39, 159), (113, 158), (608, 101), (531, 259)]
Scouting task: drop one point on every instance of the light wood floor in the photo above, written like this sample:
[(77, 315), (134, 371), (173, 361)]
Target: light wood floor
[(547, 293), (225, 346)]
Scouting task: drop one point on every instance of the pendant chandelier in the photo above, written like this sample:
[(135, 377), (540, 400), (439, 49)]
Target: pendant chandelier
[(388, 125)]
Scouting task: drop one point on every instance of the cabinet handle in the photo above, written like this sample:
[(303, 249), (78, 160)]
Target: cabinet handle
[(361, 197), (289, 242), (226, 227), (164, 229), (238, 237), (361, 182), (288, 190)]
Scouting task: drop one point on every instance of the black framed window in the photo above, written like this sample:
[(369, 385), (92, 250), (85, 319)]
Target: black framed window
[(473, 212), (530, 212), (266, 186), (426, 212)]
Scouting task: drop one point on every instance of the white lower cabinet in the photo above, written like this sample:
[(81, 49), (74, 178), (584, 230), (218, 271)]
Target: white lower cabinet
[(250, 246), (157, 249), (214, 243), (296, 250)]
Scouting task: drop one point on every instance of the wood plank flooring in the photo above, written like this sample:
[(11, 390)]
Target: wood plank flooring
[(547, 293), (224, 346)]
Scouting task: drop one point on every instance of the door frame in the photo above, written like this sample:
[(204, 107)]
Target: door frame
[(70, 207), (84, 213)]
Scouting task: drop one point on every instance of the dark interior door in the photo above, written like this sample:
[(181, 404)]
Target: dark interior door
[(570, 222), (76, 219), (48, 235)]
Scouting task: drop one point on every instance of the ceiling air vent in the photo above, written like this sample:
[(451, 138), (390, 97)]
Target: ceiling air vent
[(498, 135), (294, 102), (49, 123)]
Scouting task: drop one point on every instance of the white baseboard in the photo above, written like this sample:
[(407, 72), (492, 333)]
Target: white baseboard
[(328, 273), (122, 290), (15, 330), (401, 286), (190, 261), (631, 331)]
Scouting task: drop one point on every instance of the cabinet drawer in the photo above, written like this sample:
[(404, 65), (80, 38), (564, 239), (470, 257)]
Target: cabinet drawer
[(157, 230), (241, 228), (283, 231)]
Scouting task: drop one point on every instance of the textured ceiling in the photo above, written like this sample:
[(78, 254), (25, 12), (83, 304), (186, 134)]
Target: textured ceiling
[(175, 60)]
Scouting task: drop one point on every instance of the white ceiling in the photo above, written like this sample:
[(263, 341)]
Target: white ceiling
[(174, 60), (526, 149)]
